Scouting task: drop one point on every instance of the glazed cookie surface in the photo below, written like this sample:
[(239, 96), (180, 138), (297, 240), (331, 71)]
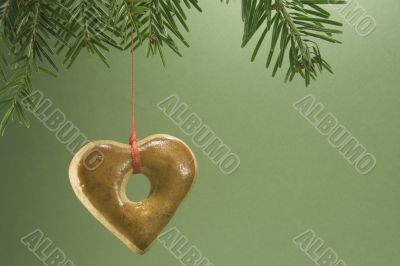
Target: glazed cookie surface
[(99, 174)]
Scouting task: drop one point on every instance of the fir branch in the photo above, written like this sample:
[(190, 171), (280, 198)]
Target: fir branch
[(9, 18), (87, 24), (34, 32), (126, 16), (296, 24), (30, 27), (21, 33), (14, 90), (162, 25)]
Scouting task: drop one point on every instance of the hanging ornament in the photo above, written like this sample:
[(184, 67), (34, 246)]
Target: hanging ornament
[(165, 160), (100, 171)]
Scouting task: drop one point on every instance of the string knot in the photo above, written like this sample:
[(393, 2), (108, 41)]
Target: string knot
[(136, 162)]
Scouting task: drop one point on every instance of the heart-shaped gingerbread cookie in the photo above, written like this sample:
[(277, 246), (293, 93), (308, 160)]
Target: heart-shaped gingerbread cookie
[(100, 171)]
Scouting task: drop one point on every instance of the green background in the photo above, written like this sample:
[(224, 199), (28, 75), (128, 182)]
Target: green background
[(290, 178)]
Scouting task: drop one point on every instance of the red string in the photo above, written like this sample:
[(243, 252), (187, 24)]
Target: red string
[(136, 162)]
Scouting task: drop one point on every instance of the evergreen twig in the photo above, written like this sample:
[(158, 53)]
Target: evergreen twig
[(295, 27), (35, 31)]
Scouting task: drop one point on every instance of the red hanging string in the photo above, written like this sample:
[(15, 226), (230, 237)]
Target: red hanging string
[(136, 162)]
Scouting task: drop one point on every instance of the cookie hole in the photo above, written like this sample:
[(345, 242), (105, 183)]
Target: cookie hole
[(138, 187)]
